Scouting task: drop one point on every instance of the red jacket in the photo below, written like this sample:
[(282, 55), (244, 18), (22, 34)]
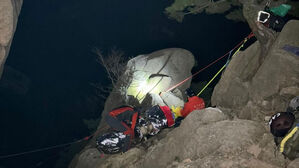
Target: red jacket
[(194, 103)]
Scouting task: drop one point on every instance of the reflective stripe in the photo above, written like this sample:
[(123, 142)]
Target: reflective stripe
[(287, 137)]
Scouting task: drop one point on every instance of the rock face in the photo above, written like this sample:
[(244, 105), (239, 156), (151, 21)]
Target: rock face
[(9, 12), (211, 141), (160, 70), (252, 95), (294, 163), (154, 73)]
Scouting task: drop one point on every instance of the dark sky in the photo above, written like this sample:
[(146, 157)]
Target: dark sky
[(53, 47)]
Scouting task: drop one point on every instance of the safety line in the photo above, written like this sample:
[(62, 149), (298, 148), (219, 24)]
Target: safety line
[(211, 80), (53, 147), (190, 77), (44, 149), (223, 67)]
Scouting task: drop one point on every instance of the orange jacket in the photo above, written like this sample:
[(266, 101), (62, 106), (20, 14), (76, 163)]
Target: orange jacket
[(194, 103)]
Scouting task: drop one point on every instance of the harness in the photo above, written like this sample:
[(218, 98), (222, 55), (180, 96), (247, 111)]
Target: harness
[(118, 111), (121, 110)]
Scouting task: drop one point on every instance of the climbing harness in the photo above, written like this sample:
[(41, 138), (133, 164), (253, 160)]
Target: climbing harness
[(223, 67), (190, 77)]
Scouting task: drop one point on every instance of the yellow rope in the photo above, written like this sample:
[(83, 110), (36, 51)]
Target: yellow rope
[(245, 40), (286, 138), (211, 80)]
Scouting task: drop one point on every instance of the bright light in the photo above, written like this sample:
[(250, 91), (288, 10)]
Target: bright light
[(141, 85)]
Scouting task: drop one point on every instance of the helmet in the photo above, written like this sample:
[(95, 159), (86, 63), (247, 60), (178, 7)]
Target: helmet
[(189, 92), (280, 123)]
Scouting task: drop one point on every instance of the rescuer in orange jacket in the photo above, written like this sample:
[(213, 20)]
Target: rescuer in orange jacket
[(193, 103)]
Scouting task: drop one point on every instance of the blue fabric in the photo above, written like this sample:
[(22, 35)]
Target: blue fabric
[(291, 49)]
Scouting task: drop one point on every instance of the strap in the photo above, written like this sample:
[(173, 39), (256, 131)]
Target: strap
[(131, 130), (167, 112), (287, 137), (118, 111), (128, 131), (134, 120)]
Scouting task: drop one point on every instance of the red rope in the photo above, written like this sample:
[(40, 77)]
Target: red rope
[(46, 148), (190, 77)]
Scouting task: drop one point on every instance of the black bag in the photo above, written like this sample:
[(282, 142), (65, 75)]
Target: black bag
[(276, 23), (157, 118), (111, 143)]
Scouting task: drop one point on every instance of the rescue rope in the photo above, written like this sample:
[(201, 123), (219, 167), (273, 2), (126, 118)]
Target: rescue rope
[(46, 148), (55, 146), (190, 77), (223, 67)]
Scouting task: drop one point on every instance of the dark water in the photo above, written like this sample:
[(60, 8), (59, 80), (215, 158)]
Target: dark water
[(53, 46)]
